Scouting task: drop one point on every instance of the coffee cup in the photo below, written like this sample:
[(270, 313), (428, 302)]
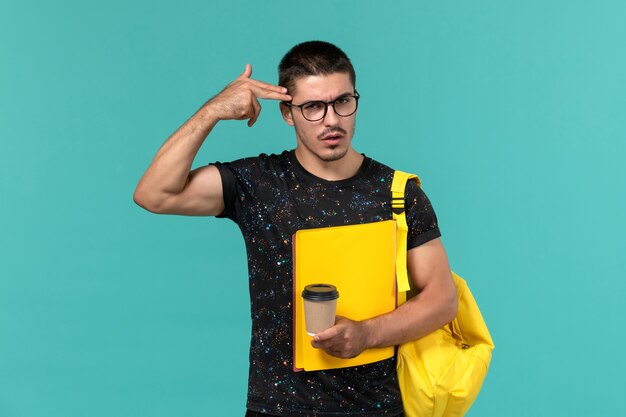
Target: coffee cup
[(320, 307)]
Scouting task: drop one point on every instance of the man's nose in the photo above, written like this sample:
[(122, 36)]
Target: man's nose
[(331, 118)]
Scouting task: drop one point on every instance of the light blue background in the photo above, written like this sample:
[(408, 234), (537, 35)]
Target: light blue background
[(512, 112)]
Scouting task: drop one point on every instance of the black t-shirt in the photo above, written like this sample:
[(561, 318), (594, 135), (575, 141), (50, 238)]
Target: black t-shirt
[(270, 197)]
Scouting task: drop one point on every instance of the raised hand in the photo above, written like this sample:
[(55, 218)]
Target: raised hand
[(240, 99), (169, 185)]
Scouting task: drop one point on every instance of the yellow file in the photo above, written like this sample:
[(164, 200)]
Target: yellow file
[(360, 261)]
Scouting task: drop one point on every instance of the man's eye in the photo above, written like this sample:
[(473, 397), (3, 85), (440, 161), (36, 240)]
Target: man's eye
[(314, 105), (343, 100)]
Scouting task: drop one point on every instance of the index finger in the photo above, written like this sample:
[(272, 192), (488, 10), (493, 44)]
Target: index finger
[(271, 95), (263, 84), (327, 334), (275, 93)]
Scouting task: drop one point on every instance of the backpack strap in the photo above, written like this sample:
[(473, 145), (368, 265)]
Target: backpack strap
[(398, 186)]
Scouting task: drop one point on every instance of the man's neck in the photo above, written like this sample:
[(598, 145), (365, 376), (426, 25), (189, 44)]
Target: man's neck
[(341, 169)]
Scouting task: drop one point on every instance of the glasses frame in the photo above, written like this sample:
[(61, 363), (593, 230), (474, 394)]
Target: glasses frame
[(356, 96)]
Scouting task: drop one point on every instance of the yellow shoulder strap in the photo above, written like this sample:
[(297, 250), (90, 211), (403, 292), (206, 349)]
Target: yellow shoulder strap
[(399, 215)]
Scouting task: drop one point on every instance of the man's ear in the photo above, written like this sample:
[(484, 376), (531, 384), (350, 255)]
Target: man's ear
[(286, 112)]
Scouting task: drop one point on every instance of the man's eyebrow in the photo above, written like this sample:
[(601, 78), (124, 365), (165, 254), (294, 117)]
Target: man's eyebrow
[(347, 93), (342, 95)]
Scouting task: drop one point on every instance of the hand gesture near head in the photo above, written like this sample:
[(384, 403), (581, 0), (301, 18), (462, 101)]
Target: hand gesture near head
[(240, 99), (169, 185)]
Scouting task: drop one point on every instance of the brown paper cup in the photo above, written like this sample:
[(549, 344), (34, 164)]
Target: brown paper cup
[(320, 307)]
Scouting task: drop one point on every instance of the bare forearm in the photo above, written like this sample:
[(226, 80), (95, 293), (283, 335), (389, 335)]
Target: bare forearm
[(433, 307), (417, 317)]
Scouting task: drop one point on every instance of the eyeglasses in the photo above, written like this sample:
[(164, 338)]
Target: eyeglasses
[(343, 106)]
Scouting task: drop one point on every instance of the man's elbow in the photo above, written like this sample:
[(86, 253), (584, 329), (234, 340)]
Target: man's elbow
[(147, 202), (448, 304), (451, 306)]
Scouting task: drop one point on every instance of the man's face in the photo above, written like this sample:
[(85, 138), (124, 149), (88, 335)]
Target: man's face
[(328, 139)]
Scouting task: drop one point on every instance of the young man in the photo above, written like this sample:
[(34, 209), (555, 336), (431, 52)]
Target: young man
[(323, 182)]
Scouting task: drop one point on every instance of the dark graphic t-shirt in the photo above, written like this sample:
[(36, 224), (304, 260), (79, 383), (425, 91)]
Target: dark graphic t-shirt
[(270, 197)]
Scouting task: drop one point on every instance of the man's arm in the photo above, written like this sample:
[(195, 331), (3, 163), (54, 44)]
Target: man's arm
[(169, 186), (433, 307)]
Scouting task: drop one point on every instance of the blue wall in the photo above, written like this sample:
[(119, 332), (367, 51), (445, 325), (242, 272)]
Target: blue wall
[(511, 112)]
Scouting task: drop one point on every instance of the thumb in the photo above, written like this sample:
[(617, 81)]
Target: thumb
[(327, 334), (247, 72)]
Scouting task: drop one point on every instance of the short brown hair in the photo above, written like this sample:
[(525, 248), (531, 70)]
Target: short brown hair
[(313, 58)]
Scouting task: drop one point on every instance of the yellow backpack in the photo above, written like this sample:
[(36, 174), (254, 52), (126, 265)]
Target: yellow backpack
[(441, 373)]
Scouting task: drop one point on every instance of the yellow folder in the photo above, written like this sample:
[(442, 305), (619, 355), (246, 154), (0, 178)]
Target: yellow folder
[(360, 261)]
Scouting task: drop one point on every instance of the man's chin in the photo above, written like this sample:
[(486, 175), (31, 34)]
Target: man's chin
[(335, 154)]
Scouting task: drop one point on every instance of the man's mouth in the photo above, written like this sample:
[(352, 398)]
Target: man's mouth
[(333, 137), (332, 140)]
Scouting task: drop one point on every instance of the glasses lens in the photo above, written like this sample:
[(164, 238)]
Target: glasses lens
[(345, 106), (314, 110)]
